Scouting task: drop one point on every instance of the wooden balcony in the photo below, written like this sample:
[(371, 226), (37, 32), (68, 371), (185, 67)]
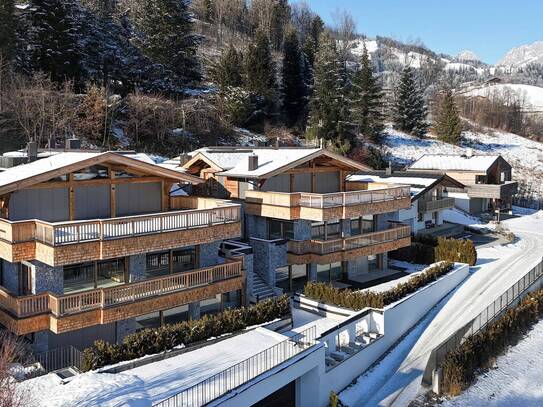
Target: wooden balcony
[(63, 313), (349, 248), (436, 204), (498, 191), (64, 243), (321, 207)]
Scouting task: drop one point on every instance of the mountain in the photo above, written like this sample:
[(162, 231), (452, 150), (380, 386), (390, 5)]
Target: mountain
[(523, 55), (467, 56)]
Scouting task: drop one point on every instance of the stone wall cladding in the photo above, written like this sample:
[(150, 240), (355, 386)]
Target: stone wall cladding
[(302, 230), (256, 226), (46, 278), (209, 255), (125, 328), (268, 256), (136, 267), (10, 276)]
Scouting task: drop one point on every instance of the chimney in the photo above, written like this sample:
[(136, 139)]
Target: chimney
[(183, 158), (32, 151), (388, 170), (469, 152), (253, 162), (73, 144), (277, 143)]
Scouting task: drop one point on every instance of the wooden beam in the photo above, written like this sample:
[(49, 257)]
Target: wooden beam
[(112, 196), (5, 206), (312, 169), (313, 179), (292, 182), (71, 197)]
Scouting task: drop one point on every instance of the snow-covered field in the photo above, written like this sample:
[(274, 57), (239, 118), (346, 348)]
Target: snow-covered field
[(531, 95), (517, 379), (526, 156)]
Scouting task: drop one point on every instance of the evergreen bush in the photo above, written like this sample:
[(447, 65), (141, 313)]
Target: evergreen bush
[(456, 250), (357, 300), (155, 340), (479, 351)]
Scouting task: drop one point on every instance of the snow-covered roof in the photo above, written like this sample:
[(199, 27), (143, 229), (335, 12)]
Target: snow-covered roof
[(234, 161), (11, 177), (450, 162)]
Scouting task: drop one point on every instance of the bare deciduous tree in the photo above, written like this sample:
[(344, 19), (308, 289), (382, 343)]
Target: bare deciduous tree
[(12, 350), (345, 30)]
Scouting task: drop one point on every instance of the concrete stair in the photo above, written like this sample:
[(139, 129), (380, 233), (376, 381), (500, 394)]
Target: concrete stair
[(261, 289)]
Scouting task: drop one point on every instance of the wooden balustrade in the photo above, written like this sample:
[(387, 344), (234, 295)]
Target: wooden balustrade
[(301, 247), (436, 204), (61, 233), (61, 305)]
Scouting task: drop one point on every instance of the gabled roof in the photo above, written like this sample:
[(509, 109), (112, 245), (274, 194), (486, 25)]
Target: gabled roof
[(44, 169), (420, 182), (452, 162), (234, 161)]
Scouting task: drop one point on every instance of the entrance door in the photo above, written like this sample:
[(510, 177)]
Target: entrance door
[(25, 280)]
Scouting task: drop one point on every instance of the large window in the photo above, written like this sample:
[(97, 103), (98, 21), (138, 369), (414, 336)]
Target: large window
[(158, 264), (361, 225), (291, 278), (87, 276), (326, 230), (278, 229), (329, 272)]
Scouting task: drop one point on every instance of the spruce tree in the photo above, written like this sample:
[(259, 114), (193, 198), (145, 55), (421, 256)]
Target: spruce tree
[(53, 43), (410, 108), (366, 100), (227, 72), (166, 36), (7, 30), (293, 78), (448, 126), (328, 114), (260, 69)]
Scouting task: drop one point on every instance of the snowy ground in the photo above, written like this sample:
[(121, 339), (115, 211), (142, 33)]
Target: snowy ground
[(516, 380), (526, 156), (456, 216), (497, 268), (150, 383)]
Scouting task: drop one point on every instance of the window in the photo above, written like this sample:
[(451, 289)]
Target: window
[(291, 278), (362, 225), (372, 263), (329, 272), (280, 229), (420, 217), (87, 276), (326, 230), (94, 172), (158, 264)]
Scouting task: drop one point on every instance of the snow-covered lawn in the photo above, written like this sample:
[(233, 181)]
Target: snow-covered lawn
[(526, 156), (456, 216), (149, 383), (517, 379)]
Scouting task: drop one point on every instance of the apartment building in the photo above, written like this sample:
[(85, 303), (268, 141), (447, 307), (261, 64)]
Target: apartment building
[(303, 221), (429, 198), (487, 179), (95, 246)]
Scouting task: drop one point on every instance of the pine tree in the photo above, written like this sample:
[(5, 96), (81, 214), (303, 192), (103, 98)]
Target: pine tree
[(366, 100), (166, 36), (227, 72), (280, 18), (328, 114), (410, 109), (293, 78), (52, 40), (260, 69), (7, 30), (448, 126)]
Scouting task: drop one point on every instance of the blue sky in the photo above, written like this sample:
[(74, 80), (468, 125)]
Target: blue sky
[(489, 28)]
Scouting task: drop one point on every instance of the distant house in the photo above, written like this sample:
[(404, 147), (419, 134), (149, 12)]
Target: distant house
[(487, 179), (428, 197)]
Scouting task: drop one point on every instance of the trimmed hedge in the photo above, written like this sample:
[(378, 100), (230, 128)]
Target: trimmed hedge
[(155, 340), (357, 300), (479, 351), (456, 250)]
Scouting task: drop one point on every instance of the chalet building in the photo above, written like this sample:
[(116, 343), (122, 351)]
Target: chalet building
[(95, 246), (487, 180), (302, 219), (429, 198)]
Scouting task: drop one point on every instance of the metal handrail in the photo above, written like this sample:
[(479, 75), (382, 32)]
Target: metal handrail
[(227, 380)]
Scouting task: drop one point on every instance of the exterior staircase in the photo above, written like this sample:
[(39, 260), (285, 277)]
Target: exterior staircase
[(261, 289)]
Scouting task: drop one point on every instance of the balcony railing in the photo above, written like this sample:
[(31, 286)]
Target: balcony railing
[(331, 200), (396, 232), (227, 380), (61, 233), (61, 305), (436, 204)]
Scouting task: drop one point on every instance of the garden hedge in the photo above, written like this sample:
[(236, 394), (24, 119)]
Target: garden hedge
[(479, 351), (357, 300), (155, 340)]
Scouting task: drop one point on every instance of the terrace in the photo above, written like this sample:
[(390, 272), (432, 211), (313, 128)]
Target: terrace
[(61, 313), (192, 219), (376, 198)]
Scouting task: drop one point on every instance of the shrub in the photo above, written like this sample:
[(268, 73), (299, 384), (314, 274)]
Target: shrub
[(479, 351), (155, 340), (456, 250), (358, 300)]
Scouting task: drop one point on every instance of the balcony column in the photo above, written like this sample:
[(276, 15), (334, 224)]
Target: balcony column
[(345, 227), (194, 310), (311, 272), (209, 254), (10, 276), (357, 267), (136, 267)]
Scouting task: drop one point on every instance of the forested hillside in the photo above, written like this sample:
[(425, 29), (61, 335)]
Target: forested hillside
[(166, 76)]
